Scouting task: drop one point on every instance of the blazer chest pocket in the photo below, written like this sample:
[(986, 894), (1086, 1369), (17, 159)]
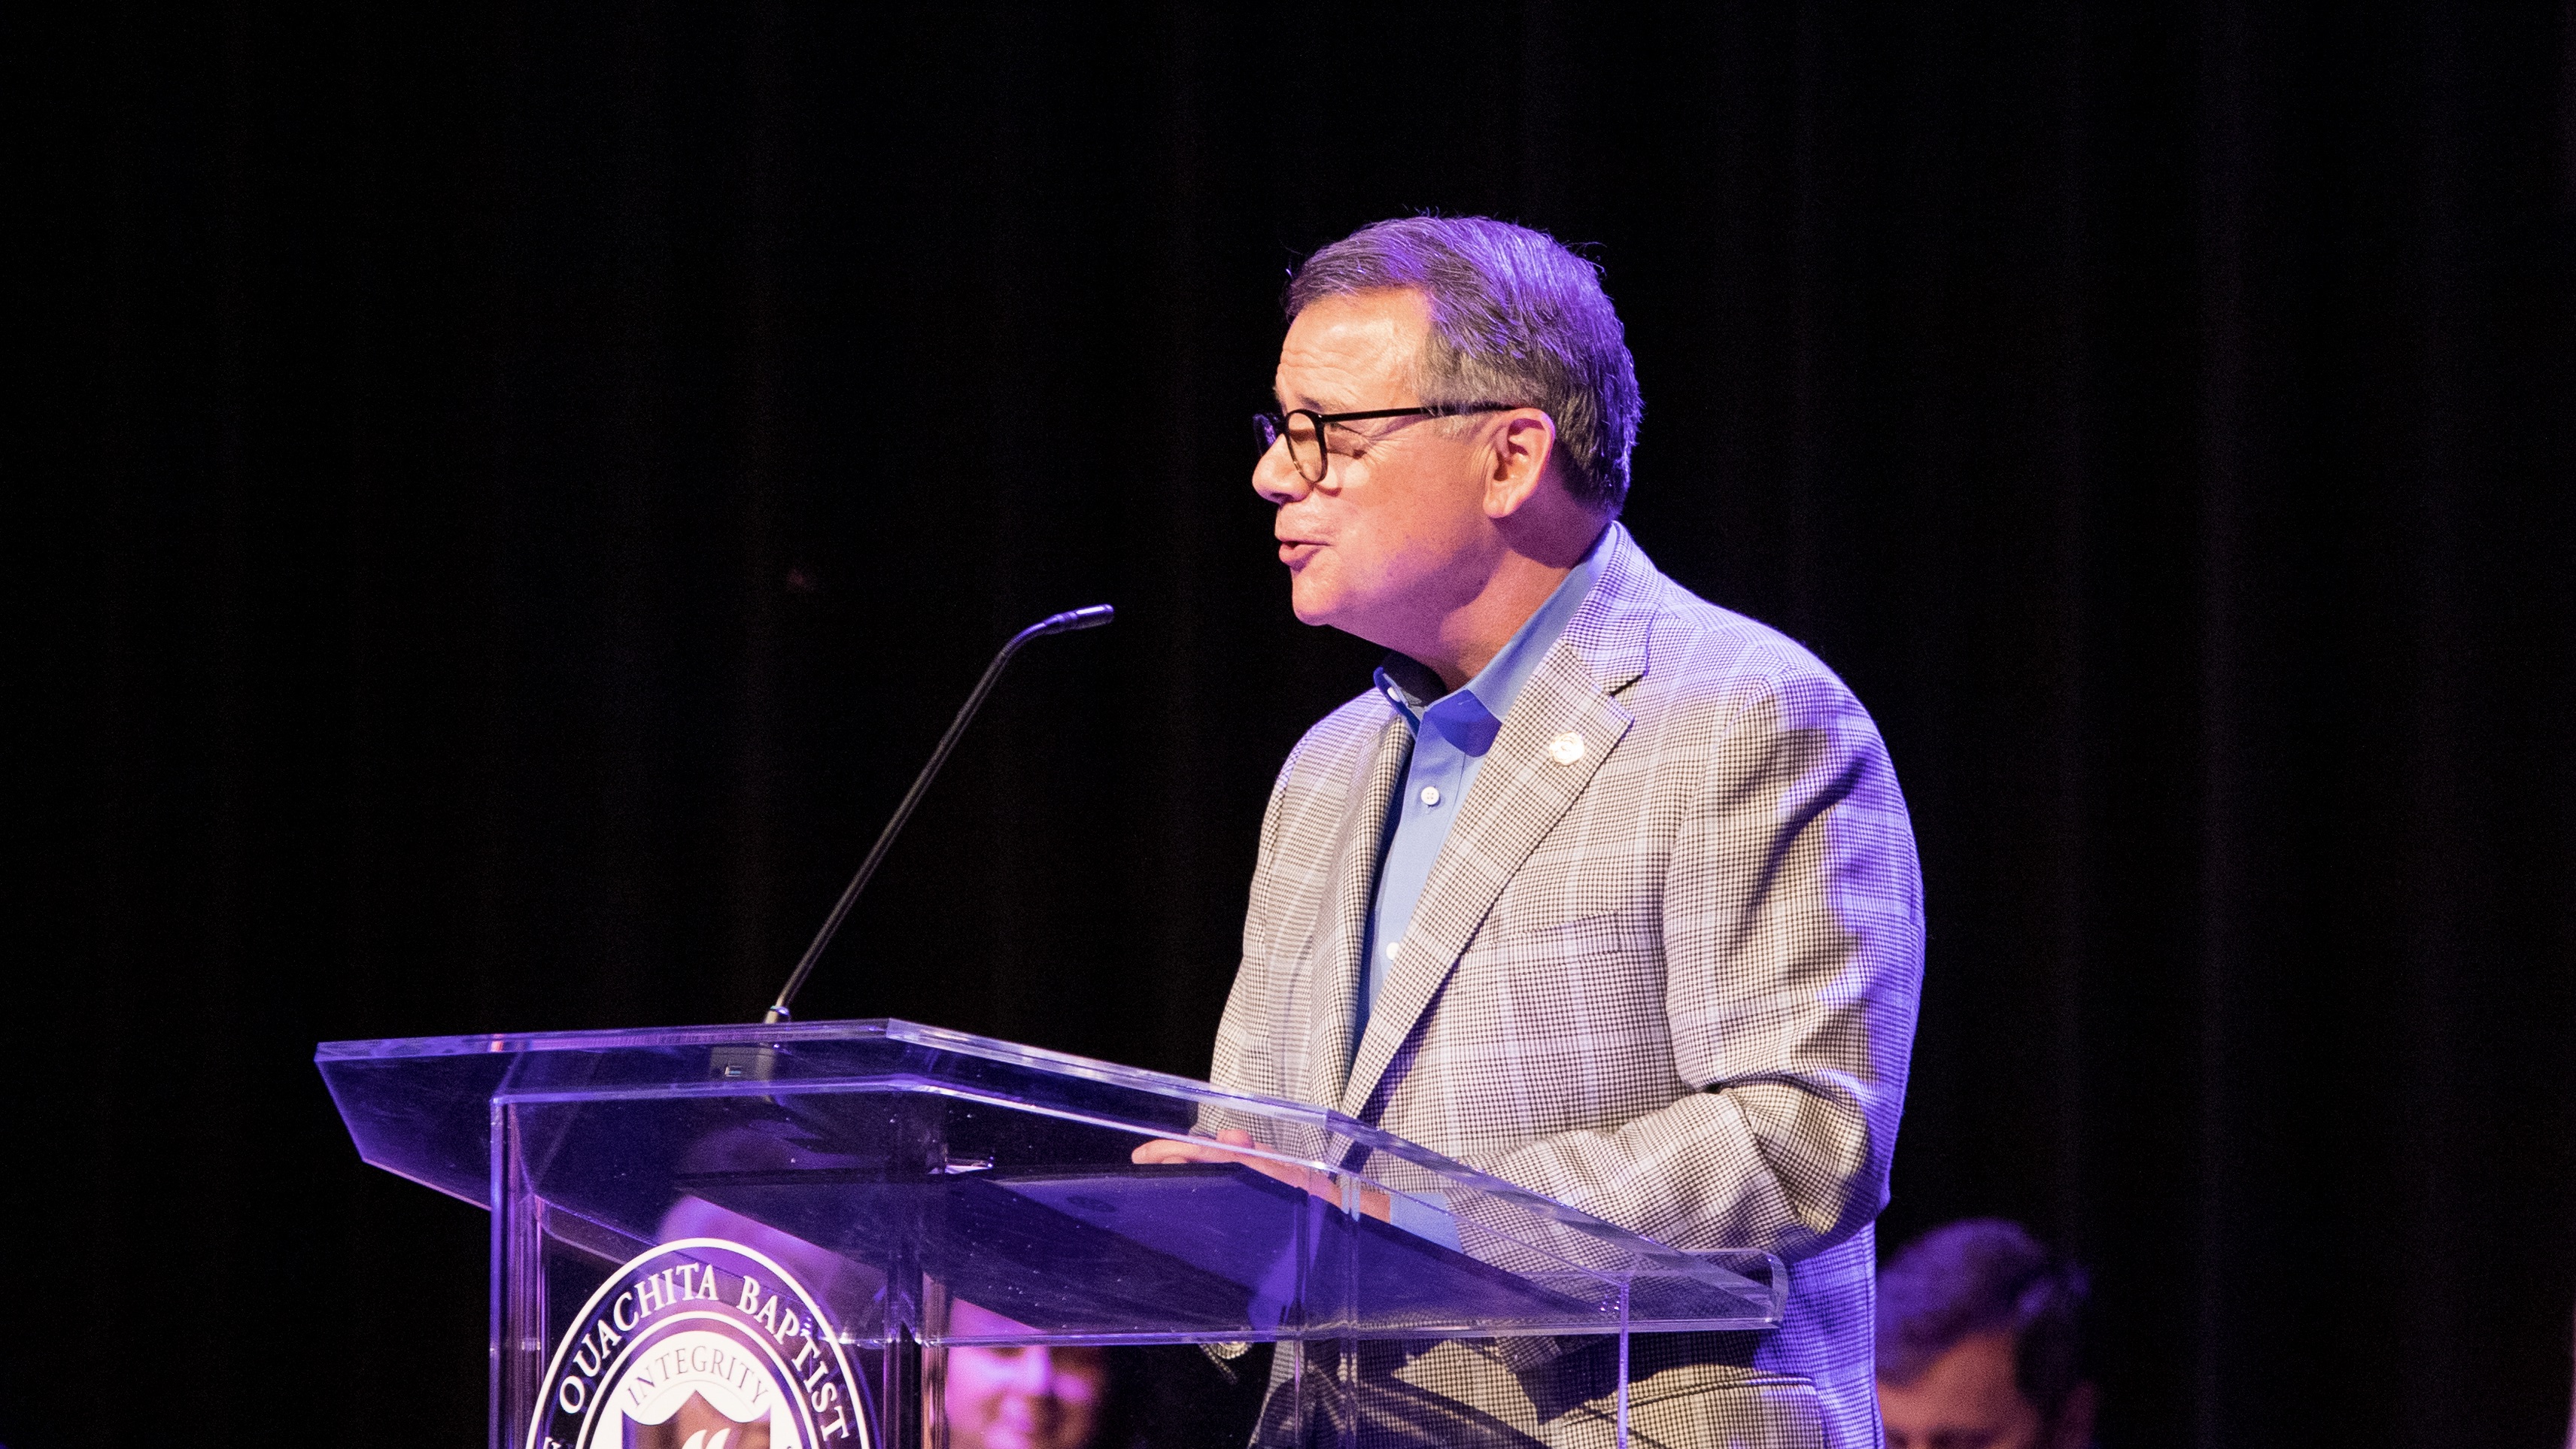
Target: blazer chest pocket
[(1607, 950), (1615, 930)]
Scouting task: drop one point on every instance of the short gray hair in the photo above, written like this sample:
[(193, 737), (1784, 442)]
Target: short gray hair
[(1515, 318)]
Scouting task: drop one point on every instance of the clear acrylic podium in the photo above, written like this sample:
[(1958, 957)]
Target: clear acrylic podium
[(746, 1236)]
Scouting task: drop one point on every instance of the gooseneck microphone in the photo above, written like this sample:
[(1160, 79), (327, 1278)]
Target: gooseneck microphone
[(1064, 623)]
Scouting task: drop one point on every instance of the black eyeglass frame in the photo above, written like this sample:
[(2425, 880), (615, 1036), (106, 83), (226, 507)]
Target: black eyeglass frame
[(1270, 428)]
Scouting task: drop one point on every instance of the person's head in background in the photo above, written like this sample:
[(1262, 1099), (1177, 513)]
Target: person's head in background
[(1980, 1343), (1020, 1397)]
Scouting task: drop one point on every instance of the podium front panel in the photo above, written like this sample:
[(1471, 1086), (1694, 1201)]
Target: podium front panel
[(802, 1232)]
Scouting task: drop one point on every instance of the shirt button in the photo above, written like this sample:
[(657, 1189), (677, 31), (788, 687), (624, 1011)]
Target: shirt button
[(1430, 794), (1395, 694), (1394, 949)]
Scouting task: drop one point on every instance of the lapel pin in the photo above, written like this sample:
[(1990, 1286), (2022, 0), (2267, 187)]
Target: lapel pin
[(1566, 748)]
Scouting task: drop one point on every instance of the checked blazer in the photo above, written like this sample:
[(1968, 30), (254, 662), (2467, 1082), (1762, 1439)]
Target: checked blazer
[(1666, 975)]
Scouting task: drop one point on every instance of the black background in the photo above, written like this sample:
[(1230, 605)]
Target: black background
[(500, 503)]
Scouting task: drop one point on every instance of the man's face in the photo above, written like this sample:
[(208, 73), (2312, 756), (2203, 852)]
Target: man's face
[(1396, 535), (1967, 1399)]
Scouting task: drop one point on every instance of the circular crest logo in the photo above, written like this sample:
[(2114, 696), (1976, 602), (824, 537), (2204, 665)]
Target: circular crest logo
[(699, 1344)]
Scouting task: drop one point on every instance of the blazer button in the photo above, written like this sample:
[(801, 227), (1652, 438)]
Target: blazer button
[(1566, 748)]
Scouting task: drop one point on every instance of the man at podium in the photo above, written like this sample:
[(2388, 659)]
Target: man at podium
[(1599, 888)]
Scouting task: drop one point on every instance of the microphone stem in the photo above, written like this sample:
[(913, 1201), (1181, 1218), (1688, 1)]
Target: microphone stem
[(912, 798)]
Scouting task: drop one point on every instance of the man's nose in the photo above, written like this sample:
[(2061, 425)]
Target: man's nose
[(1276, 478)]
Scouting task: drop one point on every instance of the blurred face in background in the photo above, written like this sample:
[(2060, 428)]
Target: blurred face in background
[(1020, 1397), (1969, 1399)]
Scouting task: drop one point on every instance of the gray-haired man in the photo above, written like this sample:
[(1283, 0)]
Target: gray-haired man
[(1600, 888)]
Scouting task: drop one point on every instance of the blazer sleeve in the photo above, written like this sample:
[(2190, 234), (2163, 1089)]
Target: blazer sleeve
[(1793, 940)]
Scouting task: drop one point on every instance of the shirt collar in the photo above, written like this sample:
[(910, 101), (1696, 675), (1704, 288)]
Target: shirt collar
[(1473, 715)]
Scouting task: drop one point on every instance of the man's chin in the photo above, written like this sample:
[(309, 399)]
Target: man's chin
[(1313, 605), (1330, 608)]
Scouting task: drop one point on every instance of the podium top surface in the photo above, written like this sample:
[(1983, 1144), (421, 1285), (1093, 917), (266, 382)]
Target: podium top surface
[(1006, 1171)]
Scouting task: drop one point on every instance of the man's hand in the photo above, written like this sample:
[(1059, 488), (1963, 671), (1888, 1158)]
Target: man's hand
[(1326, 1185)]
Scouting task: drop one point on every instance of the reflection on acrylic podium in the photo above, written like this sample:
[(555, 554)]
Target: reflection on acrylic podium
[(812, 1236)]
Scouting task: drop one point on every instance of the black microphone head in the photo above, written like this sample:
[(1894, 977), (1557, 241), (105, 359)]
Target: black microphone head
[(1091, 618)]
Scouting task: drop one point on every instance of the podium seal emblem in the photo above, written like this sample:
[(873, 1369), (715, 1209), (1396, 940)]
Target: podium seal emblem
[(699, 1344)]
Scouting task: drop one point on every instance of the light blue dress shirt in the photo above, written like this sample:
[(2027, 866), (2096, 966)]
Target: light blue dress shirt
[(1450, 738)]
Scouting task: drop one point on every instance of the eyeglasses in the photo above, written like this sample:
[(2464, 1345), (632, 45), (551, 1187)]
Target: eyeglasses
[(1304, 429)]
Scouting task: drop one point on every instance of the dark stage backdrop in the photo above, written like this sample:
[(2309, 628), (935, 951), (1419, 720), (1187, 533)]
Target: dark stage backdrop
[(510, 500)]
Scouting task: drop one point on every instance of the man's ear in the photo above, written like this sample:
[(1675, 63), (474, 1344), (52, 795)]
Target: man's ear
[(1524, 450)]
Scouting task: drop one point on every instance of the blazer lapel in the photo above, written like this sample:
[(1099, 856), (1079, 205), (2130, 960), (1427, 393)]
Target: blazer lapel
[(1341, 929), (1524, 787)]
